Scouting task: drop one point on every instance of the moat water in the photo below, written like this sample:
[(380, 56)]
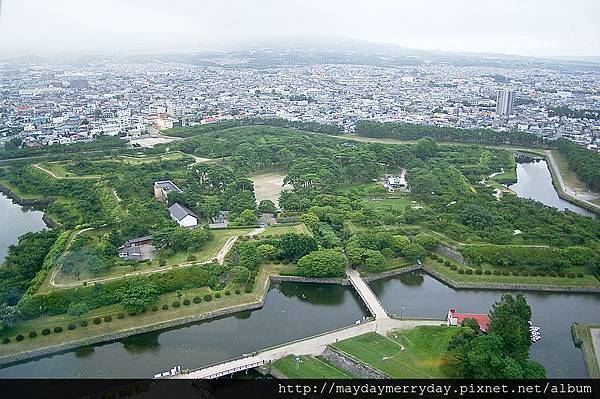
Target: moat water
[(15, 221)]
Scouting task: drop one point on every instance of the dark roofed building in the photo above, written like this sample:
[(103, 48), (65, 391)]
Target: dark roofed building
[(183, 215)]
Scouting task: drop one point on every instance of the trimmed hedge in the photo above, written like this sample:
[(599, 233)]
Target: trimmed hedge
[(32, 334), (176, 304), (469, 271), (478, 271), (454, 267), (46, 331), (83, 323), (186, 302), (72, 326), (227, 292), (155, 308), (58, 329), (197, 299), (165, 307), (108, 318), (218, 295), (447, 263), (97, 320), (433, 256), (248, 289), (120, 316), (20, 337), (461, 271), (207, 298), (5, 340), (487, 272), (237, 291)]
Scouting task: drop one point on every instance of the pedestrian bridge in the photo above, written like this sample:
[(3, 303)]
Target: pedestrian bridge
[(315, 345)]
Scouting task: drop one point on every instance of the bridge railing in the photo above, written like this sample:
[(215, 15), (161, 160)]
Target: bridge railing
[(234, 370), (365, 301)]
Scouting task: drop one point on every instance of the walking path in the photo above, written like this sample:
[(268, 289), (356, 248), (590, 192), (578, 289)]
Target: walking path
[(580, 196), (220, 258), (38, 166), (310, 346)]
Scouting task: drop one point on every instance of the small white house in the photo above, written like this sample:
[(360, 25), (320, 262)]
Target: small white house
[(183, 215)]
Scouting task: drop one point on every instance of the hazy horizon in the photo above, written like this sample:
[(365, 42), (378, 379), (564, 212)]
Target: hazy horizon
[(530, 28)]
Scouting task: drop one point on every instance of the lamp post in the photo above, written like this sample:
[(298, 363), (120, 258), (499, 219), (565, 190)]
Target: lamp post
[(402, 309)]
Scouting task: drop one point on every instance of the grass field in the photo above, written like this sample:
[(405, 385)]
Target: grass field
[(143, 319), (416, 353), (210, 251), (280, 230), (308, 367), (586, 281), (568, 175), (395, 204)]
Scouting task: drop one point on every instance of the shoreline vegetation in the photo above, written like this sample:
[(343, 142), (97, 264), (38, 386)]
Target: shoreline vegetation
[(268, 275)]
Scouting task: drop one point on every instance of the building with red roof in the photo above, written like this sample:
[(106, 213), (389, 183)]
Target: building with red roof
[(455, 319)]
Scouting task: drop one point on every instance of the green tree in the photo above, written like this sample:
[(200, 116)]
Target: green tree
[(310, 220), (137, 294), (78, 309), (426, 241), (8, 315), (267, 206), (399, 242), (322, 263), (246, 218), (240, 275), (414, 252), (509, 318), (374, 261), (294, 246), (266, 251)]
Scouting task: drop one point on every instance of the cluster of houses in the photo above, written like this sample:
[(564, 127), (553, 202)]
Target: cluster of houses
[(394, 182)]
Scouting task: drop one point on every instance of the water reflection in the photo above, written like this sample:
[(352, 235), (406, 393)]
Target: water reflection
[(148, 342), (84, 351), (316, 294)]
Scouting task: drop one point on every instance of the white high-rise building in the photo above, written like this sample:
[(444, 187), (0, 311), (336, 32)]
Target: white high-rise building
[(504, 102)]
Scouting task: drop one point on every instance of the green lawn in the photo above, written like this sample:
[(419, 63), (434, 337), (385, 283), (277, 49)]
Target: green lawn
[(142, 319), (308, 367), (390, 264), (568, 175), (395, 204), (280, 230), (422, 357), (586, 281)]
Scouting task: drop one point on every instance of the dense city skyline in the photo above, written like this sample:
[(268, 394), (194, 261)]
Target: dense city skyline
[(513, 27)]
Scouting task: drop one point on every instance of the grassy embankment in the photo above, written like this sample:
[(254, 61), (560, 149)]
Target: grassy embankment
[(309, 367), (147, 319), (416, 353), (587, 280)]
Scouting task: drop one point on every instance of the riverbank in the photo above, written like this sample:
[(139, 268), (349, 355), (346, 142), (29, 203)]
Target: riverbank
[(24, 200), (587, 337), (130, 325)]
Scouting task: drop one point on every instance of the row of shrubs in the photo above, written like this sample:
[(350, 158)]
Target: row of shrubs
[(531, 273), (108, 318)]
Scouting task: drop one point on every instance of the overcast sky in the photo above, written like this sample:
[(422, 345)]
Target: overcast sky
[(526, 27)]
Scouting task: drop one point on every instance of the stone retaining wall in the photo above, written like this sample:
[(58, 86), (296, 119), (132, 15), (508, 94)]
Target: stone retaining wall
[(25, 201), (450, 252), (352, 365), (507, 286)]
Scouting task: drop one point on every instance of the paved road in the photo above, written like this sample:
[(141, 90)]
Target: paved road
[(309, 346)]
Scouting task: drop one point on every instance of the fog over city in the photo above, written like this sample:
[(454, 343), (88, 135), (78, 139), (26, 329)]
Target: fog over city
[(523, 27)]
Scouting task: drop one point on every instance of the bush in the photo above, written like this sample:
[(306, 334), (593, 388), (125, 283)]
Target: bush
[(571, 275), (71, 326), (46, 331), (97, 320), (533, 273), (57, 329), (120, 316), (552, 274), (561, 274), (196, 299), (440, 260), (5, 340), (454, 267), (517, 273), (579, 274), (248, 289), (469, 271), (83, 323), (479, 271), (218, 295), (237, 291), (175, 304), (32, 334), (191, 258), (447, 263), (186, 302), (228, 293), (207, 298), (20, 337), (461, 271), (487, 272), (497, 272), (433, 256), (108, 318), (505, 273), (165, 307), (155, 308), (542, 274)]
